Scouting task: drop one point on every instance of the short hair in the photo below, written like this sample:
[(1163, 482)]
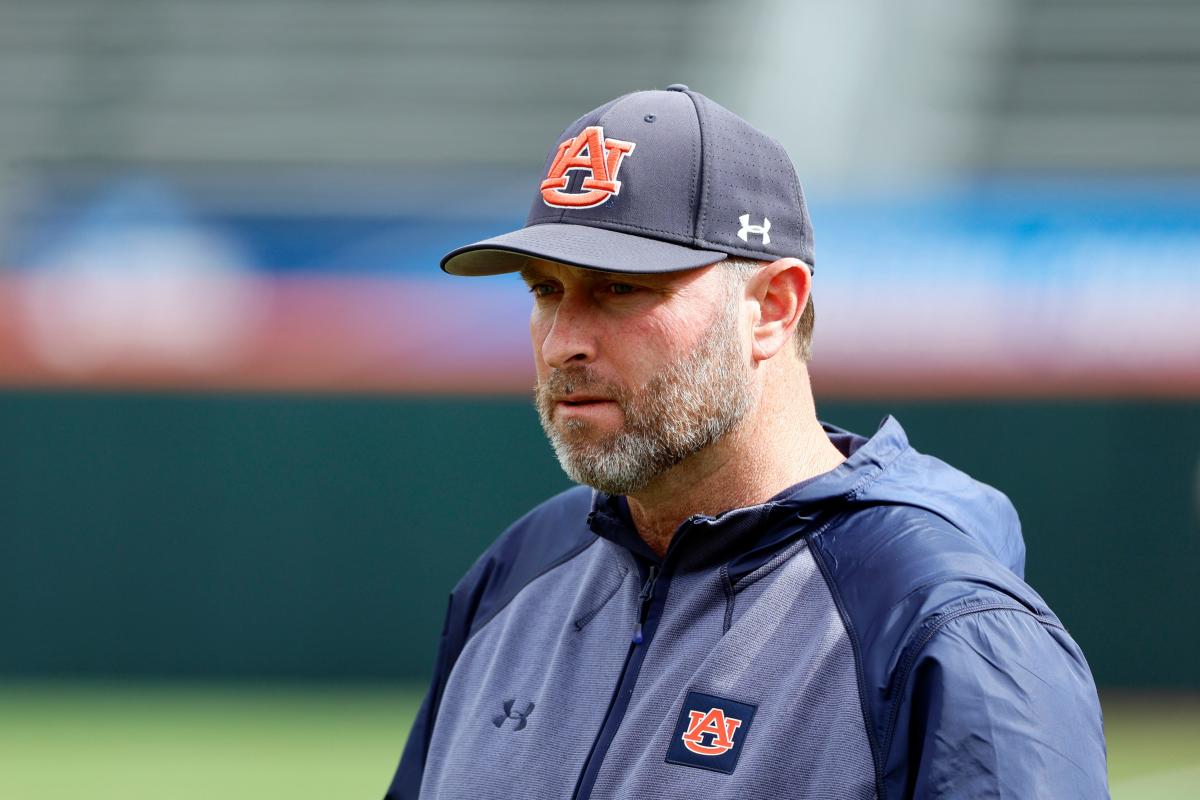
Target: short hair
[(742, 269)]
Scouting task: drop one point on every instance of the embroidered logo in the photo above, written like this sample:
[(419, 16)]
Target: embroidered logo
[(521, 716), (710, 732), (591, 154), (747, 229), (712, 726)]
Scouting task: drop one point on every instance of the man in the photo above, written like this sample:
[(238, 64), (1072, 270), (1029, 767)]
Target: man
[(745, 603)]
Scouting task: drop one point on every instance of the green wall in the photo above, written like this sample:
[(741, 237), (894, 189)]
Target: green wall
[(317, 536)]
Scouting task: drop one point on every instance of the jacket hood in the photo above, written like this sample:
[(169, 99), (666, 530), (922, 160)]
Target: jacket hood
[(885, 469)]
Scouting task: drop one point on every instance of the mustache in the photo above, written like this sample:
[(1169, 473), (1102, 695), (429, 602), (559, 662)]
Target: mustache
[(572, 380)]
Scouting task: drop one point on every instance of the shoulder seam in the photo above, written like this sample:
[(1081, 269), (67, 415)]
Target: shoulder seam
[(856, 648), (931, 630), (568, 556)]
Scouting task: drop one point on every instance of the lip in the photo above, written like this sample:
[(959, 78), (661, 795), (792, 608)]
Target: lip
[(595, 408), (572, 400)]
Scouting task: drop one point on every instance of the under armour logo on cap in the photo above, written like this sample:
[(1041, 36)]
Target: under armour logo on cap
[(761, 230), (592, 153)]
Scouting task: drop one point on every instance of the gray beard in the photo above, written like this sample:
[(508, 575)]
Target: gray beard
[(689, 405)]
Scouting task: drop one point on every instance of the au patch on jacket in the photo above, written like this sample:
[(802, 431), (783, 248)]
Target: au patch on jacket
[(710, 732)]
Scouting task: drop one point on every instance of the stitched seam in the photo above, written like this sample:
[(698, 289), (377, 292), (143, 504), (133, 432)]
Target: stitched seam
[(700, 214), (873, 475), (876, 753), (748, 252), (781, 558), (932, 628), (582, 622), (729, 595), (978, 580), (697, 169), (570, 556)]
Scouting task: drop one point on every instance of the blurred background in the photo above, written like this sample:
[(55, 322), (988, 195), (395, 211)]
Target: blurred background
[(250, 435)]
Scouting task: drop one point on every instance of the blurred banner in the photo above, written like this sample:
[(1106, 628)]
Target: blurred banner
[(1003, 288), (1006, 196)]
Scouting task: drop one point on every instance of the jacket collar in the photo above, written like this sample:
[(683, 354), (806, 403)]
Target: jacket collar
[(754, 530)]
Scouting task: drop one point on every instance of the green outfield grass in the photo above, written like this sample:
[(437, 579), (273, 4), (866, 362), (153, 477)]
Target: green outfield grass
[(136, 742), (171, 742)]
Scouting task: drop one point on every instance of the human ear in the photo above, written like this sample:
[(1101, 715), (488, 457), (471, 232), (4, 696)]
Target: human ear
[(781, 289)]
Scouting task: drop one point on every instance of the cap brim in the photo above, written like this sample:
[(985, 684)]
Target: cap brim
[(577, 245)]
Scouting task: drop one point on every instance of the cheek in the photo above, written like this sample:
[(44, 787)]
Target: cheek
[(637, 351), (667, 336), (540, 325)]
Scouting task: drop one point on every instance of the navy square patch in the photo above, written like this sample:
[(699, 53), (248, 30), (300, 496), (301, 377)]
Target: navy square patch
[(710, 732)]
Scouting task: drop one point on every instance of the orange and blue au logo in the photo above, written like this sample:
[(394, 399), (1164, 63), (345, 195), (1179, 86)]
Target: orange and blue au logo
[(710, 726), (710, 732), (594, 156)]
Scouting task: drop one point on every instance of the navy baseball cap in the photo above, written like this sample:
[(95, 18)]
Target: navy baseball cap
[(655, 181)]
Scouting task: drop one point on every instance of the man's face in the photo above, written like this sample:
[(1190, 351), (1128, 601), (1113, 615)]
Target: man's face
[(635, 372)]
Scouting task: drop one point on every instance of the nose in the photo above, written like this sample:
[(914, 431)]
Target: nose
[(570, 339)]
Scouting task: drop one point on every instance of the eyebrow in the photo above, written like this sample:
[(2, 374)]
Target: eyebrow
[(529, 274)]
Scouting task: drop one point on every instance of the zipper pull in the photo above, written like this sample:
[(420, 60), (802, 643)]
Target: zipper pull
[(648, 586), (644, 605)]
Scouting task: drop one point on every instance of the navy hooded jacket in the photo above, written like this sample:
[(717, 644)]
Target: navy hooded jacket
[(865, 634)]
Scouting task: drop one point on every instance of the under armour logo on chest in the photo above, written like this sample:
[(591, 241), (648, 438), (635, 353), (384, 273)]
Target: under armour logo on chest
[(761, 230), (521, 716)]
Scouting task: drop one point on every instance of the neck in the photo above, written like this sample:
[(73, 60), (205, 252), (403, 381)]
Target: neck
[(779, 444)]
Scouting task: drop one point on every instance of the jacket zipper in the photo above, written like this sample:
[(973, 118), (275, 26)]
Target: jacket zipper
[(654, 586), (644, 607), (650, 607)]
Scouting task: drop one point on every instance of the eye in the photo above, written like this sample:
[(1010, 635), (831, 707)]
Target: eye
[(542, 289), (621, 288)]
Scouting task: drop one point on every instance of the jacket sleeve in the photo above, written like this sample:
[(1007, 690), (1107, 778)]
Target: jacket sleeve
[(548, 535), (406, 784), (1000, 703)]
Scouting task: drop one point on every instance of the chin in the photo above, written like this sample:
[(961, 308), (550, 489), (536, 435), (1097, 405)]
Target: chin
[(578, 429)]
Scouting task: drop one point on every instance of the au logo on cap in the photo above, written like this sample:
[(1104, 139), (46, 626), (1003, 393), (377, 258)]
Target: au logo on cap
[(594, 154), (710, 732)]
